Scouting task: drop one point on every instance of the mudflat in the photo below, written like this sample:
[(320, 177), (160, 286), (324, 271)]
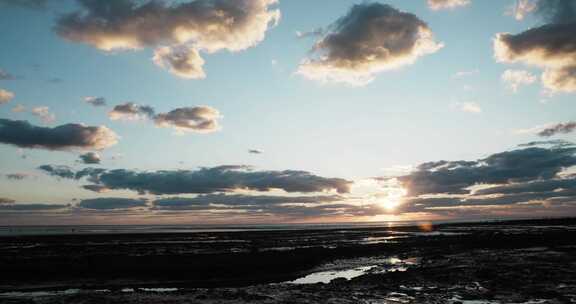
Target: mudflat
[(530, 261)]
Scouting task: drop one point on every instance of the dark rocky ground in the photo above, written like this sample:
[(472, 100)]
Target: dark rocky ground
[(516, 262)]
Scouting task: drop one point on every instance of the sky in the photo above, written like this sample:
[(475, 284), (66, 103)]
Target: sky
[(265, 111)]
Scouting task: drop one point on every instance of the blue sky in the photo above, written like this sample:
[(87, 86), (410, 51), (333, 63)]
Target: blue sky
[(404, 117)]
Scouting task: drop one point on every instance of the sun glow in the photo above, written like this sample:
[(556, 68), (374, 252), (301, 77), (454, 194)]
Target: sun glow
[(392, 199)]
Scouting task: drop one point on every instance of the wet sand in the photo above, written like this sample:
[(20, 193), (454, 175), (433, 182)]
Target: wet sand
[(505, 262)]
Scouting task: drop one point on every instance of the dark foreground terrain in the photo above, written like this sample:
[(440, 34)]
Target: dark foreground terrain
[(505, 262)]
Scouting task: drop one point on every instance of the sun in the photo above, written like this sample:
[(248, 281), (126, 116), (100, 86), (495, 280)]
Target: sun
[(392, 199)]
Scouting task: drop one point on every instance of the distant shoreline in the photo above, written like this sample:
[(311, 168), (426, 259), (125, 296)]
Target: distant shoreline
[(38, 230)]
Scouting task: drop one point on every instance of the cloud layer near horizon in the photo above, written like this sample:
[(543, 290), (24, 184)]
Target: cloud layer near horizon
[(532, 177), (204, 180)]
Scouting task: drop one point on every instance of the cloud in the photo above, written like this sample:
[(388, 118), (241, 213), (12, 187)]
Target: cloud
[(181, 61), (4, 201), (315, 33), (95, 101), (31, 4), (370, 39), (95, 188), (32, 207), (561, 128), (556, 143), (447, 4), (202, 119), (516, 78), (64, 137), (522, 8), (6, 76), (201, 25), (44, 114), (468, 107), (531, 181), (112, 203), (266, 205), (131, 111), (5, 96), (255, 151), (58, 171), (17, 176), (204, 180), (239, 200), (18, 109), (90, 158), (463, 74), (551, 46), (560, 80), (523, 165)]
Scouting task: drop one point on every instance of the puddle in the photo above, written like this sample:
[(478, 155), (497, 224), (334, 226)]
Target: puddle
[(32, 294), (327, 276), (384, 265)]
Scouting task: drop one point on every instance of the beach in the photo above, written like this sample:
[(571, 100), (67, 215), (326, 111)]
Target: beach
[(530, 261)]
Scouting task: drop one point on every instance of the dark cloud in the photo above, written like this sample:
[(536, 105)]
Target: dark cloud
[(279, 206), (65, 137), (90, 158), (17, 176), (201, 25), (204, 180), (551, 46), (95, 188), (95, 101), (131, 111), (58, 171), (561, 128), (557, 11), (31, 4), (200, 119), (111, 203), (32, 207), (552, 185), (371, 38), (512, 166), (240, 200), (532, 179), (558, 143)]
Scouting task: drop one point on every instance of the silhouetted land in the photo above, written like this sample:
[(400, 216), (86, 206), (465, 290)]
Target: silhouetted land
[(531, 261)]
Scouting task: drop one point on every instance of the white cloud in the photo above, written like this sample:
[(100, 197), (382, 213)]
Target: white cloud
[(5, 96), (468, 107), (44, 114), (516, 78), (447, 4), (181, 61)]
